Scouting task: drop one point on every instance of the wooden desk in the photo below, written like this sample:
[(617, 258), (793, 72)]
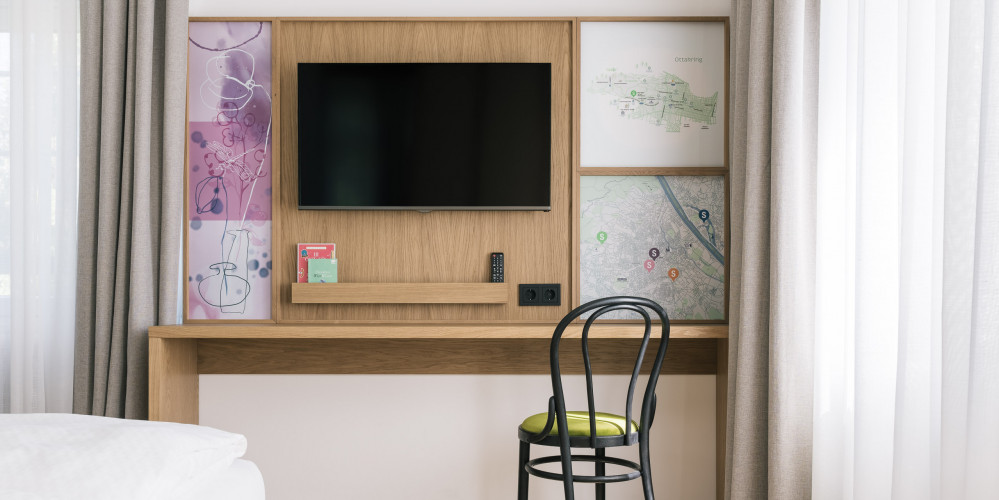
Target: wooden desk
[(178, 354)]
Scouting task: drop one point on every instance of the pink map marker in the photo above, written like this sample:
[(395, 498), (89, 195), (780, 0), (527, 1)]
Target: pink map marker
[(650, 265)]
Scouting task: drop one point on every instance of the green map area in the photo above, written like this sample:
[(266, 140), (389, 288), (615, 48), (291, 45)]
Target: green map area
[(660, 237), (663, 100)]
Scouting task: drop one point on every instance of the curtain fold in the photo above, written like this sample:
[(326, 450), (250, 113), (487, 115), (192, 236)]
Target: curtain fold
[(751, 61), (971, 347), (132, 115), (38, 170), (774, 107), (864, 332)]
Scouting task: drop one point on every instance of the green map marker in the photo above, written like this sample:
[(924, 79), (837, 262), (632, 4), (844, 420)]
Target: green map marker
[(633, 93), (601, 237)]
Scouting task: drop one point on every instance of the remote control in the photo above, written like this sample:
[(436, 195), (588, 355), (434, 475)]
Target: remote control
[(497, 267)]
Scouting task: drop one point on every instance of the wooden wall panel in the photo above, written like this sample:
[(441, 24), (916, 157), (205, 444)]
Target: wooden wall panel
[(443, 246), (413, 356)]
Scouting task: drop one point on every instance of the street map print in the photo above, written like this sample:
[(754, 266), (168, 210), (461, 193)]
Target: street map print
[(659, 99), (659, 237), (653, 94)]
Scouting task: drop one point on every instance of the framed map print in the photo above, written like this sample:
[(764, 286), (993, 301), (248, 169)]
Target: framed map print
[(656, 236), (653, 93)]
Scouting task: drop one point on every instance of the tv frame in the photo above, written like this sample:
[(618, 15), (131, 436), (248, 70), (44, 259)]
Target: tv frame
[(433, 208)]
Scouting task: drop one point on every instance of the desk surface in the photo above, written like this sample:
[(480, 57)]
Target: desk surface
[(427, 331)]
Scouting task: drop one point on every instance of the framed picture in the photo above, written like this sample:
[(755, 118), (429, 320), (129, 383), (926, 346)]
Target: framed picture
[(653, 94), (663, 237), (229, 183), (653, 179)]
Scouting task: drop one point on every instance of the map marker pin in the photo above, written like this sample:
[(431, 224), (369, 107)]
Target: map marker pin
[(654, 253), (601, 237), (650, 265), (674, 274), (703, 214)]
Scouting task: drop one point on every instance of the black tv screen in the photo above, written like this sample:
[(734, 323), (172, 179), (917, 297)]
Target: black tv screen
[(424, 136)]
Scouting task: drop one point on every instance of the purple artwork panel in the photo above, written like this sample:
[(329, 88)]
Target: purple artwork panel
[(229, 170)]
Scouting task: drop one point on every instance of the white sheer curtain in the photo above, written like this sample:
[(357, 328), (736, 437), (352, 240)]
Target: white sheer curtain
[(38, 183), (907, 280)]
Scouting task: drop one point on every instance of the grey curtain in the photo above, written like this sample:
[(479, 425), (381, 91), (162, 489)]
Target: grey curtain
[(774, 71), (133, 66)]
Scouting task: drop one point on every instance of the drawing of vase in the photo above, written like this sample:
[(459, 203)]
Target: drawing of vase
[(229, 288)]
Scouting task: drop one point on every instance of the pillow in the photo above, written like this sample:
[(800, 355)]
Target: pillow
[(57, 456)]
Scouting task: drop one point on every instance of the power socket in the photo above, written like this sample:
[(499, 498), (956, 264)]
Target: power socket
[(530, 295), (549, 294)]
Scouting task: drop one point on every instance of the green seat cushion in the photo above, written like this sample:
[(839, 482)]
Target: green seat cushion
[(608, 424)]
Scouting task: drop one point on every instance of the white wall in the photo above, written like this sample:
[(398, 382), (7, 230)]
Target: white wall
[(438, 437)]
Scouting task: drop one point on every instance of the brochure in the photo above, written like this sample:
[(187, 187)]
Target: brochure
[(307, 251)]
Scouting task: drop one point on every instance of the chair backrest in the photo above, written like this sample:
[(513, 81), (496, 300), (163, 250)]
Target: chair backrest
[(598, 308)]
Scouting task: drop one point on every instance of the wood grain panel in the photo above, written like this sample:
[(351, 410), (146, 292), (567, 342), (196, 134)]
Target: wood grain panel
[(652, 171), (410, 19), (277, 258), (400, 293), (575, 210), (173, 380), (440, 246), (413, 356), (452, 331)]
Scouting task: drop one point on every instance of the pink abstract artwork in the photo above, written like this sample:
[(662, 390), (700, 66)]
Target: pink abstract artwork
[(229, 171)]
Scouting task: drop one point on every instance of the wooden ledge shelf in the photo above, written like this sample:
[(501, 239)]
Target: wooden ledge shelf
[(424, 331), (400, 293)]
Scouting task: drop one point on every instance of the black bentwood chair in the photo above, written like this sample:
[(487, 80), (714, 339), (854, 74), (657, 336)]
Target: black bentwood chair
[(592, 429)]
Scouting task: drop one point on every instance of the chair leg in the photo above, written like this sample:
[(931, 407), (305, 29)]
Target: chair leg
[(567, 468), (643, 457), (600, 470), (522, 475)]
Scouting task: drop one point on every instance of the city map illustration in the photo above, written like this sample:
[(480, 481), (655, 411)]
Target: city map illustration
[(660, 237), (661, 99)]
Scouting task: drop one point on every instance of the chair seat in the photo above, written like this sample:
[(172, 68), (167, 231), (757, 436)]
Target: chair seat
[(608, 424)]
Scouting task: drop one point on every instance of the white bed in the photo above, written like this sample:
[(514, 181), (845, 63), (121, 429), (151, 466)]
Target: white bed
[(241, 481), (58, 456)]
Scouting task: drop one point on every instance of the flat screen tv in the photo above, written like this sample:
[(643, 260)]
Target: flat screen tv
[(424, 136)]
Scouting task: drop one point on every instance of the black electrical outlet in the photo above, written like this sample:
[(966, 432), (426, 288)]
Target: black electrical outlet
[(530, 295), (551, 294), (540, 294)]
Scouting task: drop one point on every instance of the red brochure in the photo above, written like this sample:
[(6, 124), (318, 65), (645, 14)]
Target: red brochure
[(308, 251)]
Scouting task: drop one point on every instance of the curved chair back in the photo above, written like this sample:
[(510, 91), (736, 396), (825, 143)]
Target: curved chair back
[(598, 308)]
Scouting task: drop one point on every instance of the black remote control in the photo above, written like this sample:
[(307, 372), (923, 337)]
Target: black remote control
[(497, 267)]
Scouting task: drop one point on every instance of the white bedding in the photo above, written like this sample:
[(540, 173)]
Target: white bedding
[(241, 481), (58, 456)]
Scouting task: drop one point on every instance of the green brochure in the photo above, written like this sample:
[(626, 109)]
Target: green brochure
[(322, 270)]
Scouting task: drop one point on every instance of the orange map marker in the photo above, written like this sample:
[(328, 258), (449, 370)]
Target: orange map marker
[(674, 274)]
